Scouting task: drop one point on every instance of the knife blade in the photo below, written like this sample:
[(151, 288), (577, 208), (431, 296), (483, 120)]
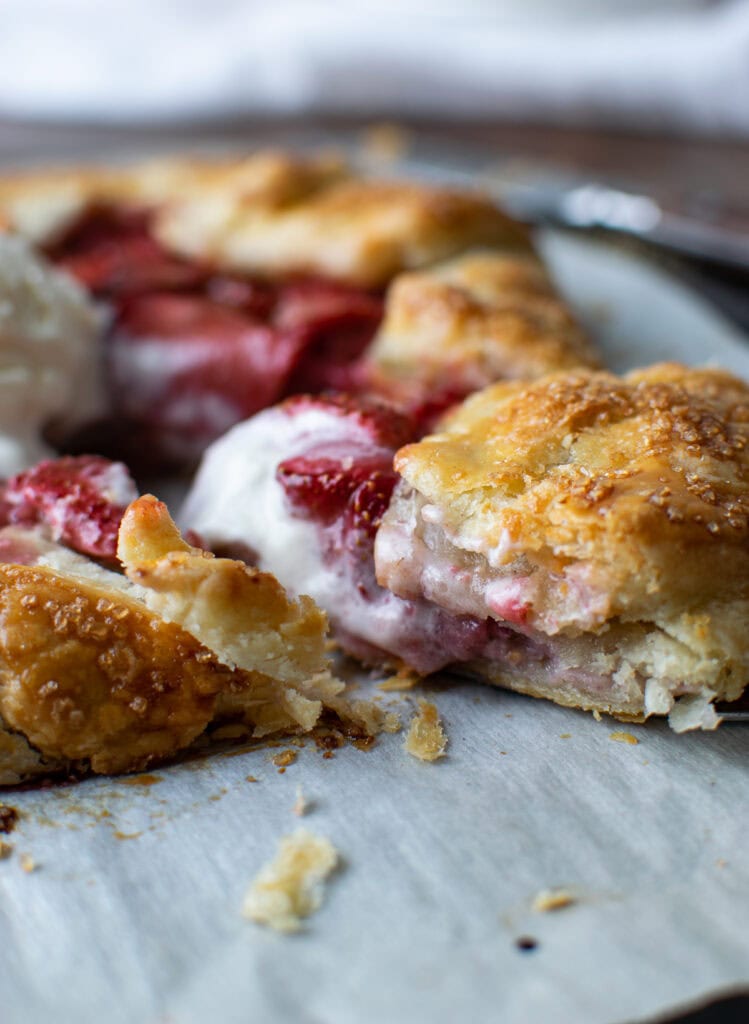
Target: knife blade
[(557, 198)]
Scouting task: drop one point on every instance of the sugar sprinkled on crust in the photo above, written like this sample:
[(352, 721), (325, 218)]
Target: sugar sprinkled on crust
[(426, 738), (289, 887)]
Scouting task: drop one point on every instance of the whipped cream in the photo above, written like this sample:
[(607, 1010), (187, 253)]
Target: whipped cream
[(49, 354), (237, 500)]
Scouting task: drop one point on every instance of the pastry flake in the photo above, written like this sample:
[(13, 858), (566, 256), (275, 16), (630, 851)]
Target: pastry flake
[(289, 888), (426, 739)]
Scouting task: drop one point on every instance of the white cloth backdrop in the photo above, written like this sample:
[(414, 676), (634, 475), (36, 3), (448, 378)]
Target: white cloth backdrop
[(664, 63)]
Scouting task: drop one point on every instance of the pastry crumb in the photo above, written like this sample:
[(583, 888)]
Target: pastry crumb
[(565, 735), (391, 722), (250, 778), (5, 849), (285, 758), (548, 900), (721, 862), (27, 862), (597, 714), (624, 737), (404, 679), (8, 818), (289, 887), (301, 806), (426, 738)]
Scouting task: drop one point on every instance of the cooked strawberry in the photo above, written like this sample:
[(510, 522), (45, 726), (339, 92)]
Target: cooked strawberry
[(253, 297), (367, 505), (112, 253), (320, 484), (189, 369), (379, 423), (80, 500), (337, 322)]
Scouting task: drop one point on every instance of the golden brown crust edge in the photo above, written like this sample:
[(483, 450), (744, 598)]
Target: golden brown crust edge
[(85, 677), (92, 676), (643, 478), (270, 213), (41, 204), (480, 317)]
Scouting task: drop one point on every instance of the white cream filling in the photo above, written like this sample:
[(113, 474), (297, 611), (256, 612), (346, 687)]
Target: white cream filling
[(49, 354), (236, 499)]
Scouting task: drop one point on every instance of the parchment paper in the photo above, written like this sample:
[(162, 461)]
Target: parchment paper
[(133, 912)]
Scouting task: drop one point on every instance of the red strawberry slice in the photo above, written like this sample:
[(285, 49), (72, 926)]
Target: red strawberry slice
[(367, 505), (81, 500), (350, 476), (254, 298), (337, 323), (112, 253), (190, 369), (385, 426), (320, 484)]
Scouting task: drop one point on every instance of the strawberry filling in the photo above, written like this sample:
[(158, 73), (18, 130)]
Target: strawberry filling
[(79, 502), (343, 485), (191, 352), (112, 253)]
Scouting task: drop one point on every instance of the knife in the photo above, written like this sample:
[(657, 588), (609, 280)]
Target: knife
[(557, 198)]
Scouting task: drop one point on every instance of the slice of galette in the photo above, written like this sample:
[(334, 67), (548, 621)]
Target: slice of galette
[(108, 671), (582, 538), (231, 284)]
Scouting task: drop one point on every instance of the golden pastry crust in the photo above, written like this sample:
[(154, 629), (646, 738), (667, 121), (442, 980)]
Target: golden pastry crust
[(644, 478), (270, 213), (603, 522), (240, 613), (42, 204), (88, 677), (112, 675), (481, 317), (355, 230)]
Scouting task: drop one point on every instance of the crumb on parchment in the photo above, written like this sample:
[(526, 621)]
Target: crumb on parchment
[(289, 887), (300, 804), (624, 737), (426, 738), (548, 900), (285, 758), (5, 849), (27, 862), (404, 679)]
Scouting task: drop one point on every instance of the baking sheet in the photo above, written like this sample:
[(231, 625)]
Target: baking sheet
[(133, 911)]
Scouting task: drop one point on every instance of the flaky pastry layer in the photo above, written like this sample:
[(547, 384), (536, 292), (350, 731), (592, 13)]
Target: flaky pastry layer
[(642, 480), (101, 673), (269, 213), (603, 520), (482, 316)]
